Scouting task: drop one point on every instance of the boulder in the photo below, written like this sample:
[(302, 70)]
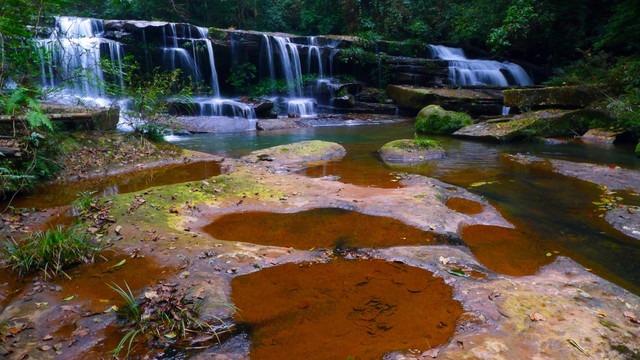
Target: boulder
[(412, 99), (433, 119), (557, 97), (601, 136), (411, 151), (298, 153), (262, 107), (371, 95), (343, 102), (544, 123)]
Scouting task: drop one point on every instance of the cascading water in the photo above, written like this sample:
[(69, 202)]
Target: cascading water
[(191, 63), (463, 71), (72, 56), (291, 70), (314, 49)]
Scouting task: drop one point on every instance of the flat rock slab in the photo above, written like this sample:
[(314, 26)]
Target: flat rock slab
[(410, 151), (626, 219), (601, 136), (298, 153), (614, 178), (544, 123), (530, 317), (279, 124), (564, 97), (473, 101)]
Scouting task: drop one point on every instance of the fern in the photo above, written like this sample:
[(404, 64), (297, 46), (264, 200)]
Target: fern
[(37, 119)]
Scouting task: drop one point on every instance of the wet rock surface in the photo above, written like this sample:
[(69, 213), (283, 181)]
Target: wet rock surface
[(298, 153), (544, 123), (410, 151), (567, 97), (626, 219), (476, 102)]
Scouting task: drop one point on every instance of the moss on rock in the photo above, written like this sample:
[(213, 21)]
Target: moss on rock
[(546, 123), (435, 120), (411, 151), (558, 97), (298, 153)]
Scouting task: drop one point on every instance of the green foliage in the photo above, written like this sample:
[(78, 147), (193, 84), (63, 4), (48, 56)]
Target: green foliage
[(50, 251), (357, 55), (436, 121), (424, 142), (280, 86), (515, 25), (241, 76), (84, 201)]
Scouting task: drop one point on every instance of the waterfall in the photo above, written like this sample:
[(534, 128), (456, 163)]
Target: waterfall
[(463, 71), (215, 88), (314, 48), (291, 70), (72, 55)]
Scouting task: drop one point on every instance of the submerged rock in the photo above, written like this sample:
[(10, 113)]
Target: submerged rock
[(545, 123), (565, 97), (411, 151), (435, 120), (477, 102), (626, 219)]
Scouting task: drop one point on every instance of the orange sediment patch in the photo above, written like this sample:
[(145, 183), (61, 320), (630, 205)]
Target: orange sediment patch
[(326, 228), (464, 206), (344, 309), (507, 251)]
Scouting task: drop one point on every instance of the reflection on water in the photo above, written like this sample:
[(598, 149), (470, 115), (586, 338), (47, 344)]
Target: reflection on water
[(550, 206)]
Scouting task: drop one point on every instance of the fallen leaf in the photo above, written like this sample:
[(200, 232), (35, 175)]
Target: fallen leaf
[(69, 298), (457, 272), (118, 264), (536, 316), (444, 260)]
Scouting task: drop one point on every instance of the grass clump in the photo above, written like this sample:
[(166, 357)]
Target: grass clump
[(436, 121), (50, 251), (168, 315), (425, 143)]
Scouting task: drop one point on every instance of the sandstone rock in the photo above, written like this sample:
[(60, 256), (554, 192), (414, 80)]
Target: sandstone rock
[(278, 124), (545, 123), (475, 102), (411, 151), (298, 153), (565, 97), (601, 136), (435, 120), (626, 219)]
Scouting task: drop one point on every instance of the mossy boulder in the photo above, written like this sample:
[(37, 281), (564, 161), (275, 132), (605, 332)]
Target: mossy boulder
[(557, 97), (545, 123), (435, 120), (298, 153), (411, 151)]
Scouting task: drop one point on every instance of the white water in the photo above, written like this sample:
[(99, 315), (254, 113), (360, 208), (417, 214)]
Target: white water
[(71, 57), (463, 71)]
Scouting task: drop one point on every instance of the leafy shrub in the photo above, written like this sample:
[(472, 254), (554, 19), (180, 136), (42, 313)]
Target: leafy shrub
[(241, 76), (437, 121), (50, 251)]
